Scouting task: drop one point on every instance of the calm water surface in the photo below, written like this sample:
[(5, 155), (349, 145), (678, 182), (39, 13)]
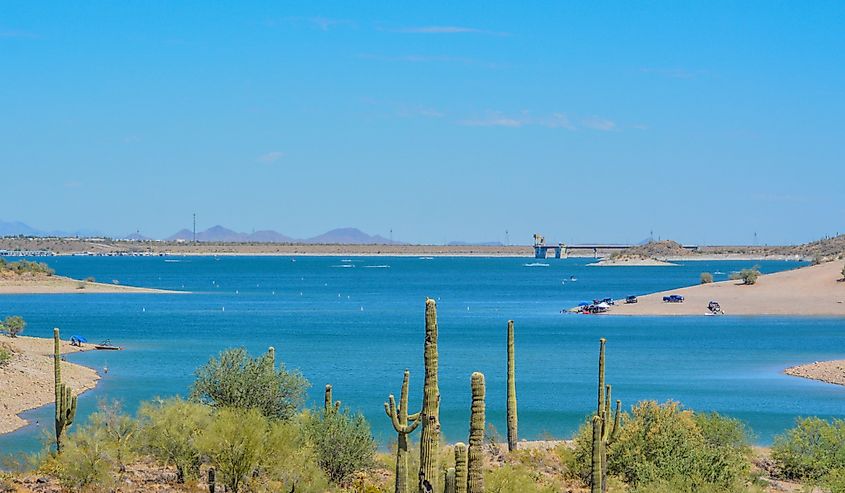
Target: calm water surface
[(358, 322)]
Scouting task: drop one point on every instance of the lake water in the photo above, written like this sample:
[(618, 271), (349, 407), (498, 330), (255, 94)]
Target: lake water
[(358, 322)]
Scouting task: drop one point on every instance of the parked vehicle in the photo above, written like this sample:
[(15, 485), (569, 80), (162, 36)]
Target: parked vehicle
[(715, 308), (630, 299), (673, 298)]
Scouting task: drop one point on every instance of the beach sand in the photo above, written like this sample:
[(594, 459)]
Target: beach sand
[(27, 381), (808, 291), (42, 284), (825, 371), (632, 262)]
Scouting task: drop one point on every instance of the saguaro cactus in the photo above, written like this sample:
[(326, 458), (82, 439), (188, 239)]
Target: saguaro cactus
[(449, 481), (212, 483), (475, 457), (596, 463), (330, 406), (430, 414), (460, 468), (512, 420), (65, 400), (404, 424), (606, 430)]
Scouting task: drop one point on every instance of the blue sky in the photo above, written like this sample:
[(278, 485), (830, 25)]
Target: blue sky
[(587, 121)]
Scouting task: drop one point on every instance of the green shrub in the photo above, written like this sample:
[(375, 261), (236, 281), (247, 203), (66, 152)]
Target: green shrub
[(5, 356), (26, 267), (234, 442), (235, 379), (663, 444), (14, 325), (87, 461), (813, 450), (119, 430), (343, 443), (706, 278), (169, 431), (290, 459), (515, 478), (747, 276)]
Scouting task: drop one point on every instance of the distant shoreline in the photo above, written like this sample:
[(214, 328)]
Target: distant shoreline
[(28, 380), (807, 291), (43, 284)]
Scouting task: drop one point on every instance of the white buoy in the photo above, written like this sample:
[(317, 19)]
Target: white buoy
[(362, 308), (144, 309), (224, 308)]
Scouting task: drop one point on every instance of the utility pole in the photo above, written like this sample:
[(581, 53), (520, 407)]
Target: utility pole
[(391, 235)]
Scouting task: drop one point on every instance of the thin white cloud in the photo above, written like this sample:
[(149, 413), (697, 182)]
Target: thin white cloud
[(427, 59), (13, 33), (674, 73), (270, 157), (523, 119), (316, 22), (72, 184), (447, 30), (597, 123)]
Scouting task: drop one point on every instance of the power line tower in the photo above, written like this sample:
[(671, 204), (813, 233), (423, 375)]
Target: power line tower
[(507, 238), (195, 228)]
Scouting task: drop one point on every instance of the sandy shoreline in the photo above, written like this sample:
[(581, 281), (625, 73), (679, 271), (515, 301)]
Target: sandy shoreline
[(824, 371), (28, 378), (808, 291), (27, 284)]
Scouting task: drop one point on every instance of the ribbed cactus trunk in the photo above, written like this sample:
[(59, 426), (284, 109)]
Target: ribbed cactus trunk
[(330, 406), (460, 468), (512, 420), (449, 481), (595, 471), (475, 457), (604, 428), (65, 400), (404, 425), (430, 414)]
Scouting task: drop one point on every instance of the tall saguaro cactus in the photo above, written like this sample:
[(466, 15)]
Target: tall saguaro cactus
[(475, 457), (460, 468), (404, 424), (512, 420), (604, 430), (330, 406), (430, 414), (449, 481), (65, 400)]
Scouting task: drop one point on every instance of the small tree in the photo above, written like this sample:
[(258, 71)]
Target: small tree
[(843, 273), (343, 442), (234, 379), (169, 431), (747, 276), (234, 442), (14, 325), (706, 278)]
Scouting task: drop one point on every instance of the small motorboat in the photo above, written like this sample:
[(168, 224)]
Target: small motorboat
[(107, 346)]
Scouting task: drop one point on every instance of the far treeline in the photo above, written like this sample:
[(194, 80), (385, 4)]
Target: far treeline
[(245, 428)]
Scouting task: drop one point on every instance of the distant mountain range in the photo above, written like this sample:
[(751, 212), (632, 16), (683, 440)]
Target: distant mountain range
[(17, 228), (220, 234)]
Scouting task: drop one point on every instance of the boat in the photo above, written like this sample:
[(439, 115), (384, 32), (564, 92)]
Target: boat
[(107, 346)]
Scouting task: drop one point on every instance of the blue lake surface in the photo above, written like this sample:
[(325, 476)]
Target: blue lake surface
[(357, 323)]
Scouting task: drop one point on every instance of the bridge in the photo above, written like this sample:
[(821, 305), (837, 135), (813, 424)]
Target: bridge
[(541, 249)]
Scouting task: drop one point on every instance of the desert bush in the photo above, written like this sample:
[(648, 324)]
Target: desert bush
[(14, 325), (119, 430), (843, 273), (234, 442), (747, 276), (664, 444), (27, 267), (87, 461), (515, 478), (813, 450), (169, 431), (5, 356), (706, 278), (290, 459), (90, 279), (343, 443), (234, 379)]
